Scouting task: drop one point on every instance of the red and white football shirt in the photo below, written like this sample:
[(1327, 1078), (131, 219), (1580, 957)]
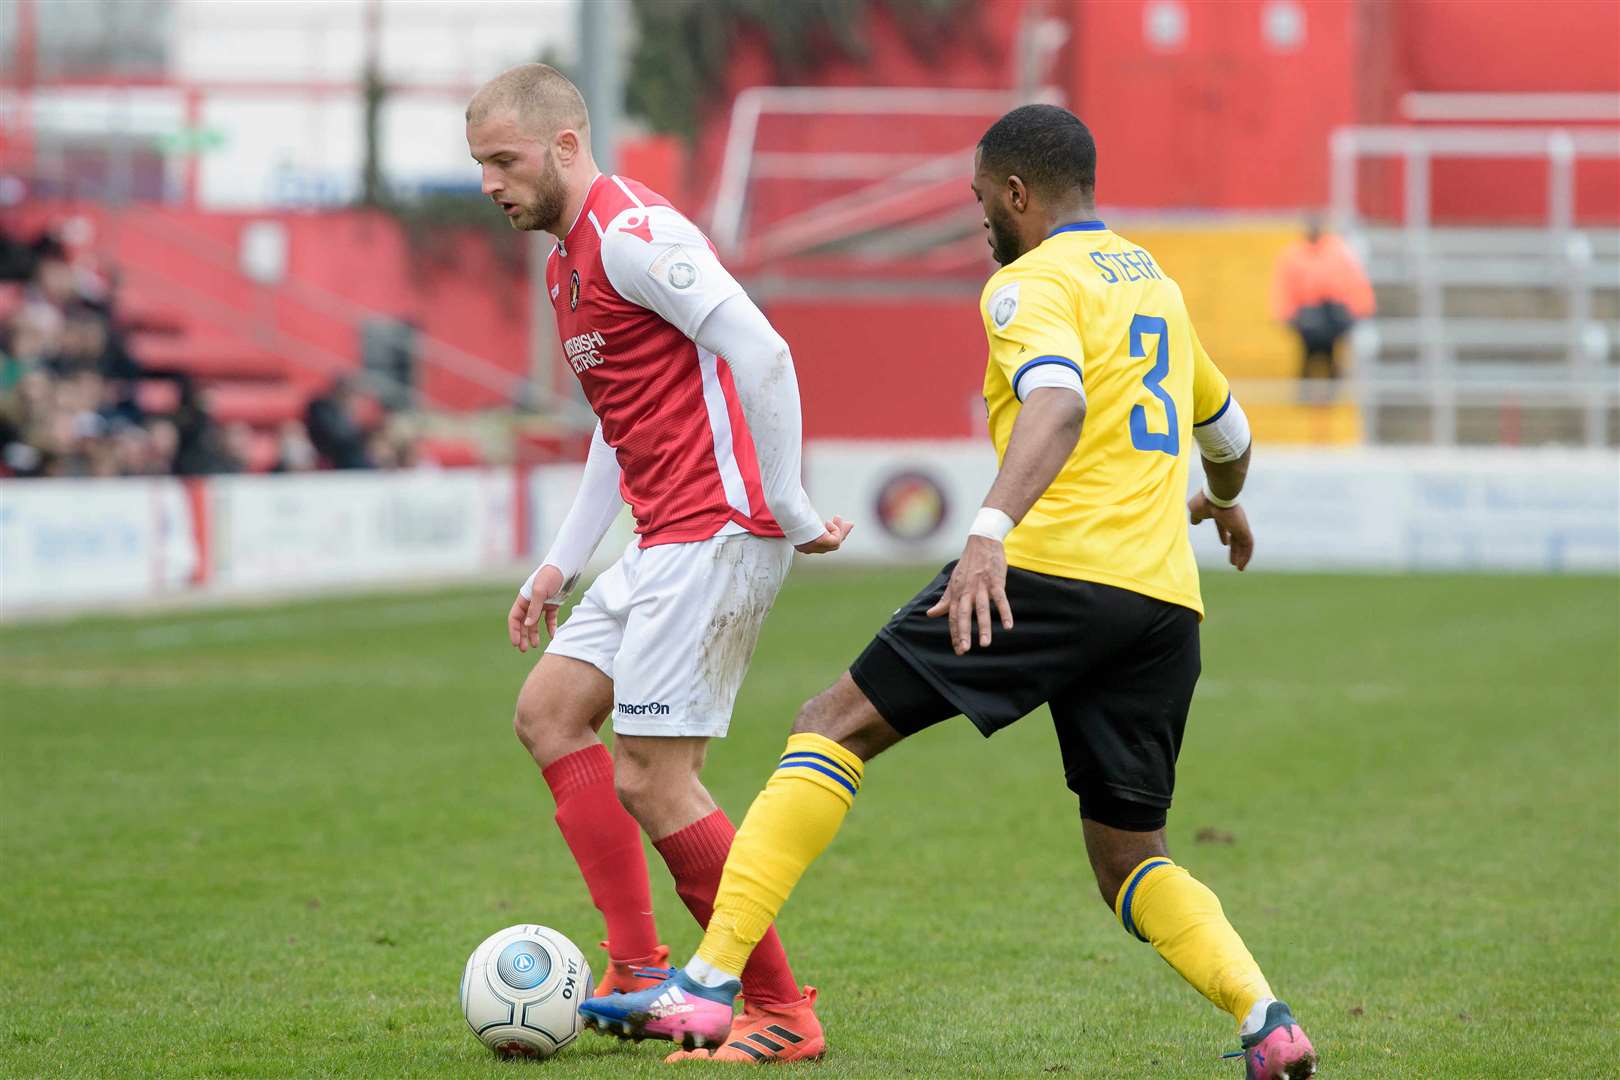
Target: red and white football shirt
[(631, 284)]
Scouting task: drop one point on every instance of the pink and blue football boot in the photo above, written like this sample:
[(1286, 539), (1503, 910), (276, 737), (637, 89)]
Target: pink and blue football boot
[(679, 1009), (1279, 1050)]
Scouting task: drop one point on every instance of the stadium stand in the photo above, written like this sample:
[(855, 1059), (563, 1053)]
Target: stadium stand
[(1506, 333)]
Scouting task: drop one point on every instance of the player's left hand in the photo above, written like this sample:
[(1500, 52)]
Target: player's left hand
[(838, 531), (523, 621), (1231, 525), (980, 577)]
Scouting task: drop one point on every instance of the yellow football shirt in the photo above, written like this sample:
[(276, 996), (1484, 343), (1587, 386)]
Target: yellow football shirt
[(1116, 513)]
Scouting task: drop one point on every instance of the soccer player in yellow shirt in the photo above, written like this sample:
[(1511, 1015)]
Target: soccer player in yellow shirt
[(1076, 588)]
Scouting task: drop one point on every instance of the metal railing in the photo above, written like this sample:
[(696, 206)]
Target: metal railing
[(742, 164), (1419, 146), (1558, 257), (1487, 107), (514, 389)]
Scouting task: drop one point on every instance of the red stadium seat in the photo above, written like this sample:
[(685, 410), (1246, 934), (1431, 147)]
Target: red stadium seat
[(259, 404), (160, 396), (450, 453), (206, 358)]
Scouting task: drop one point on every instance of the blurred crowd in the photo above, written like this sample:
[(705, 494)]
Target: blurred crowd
[(71, 401)]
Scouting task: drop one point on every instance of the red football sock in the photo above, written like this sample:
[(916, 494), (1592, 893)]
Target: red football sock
[(696, 855), (606, 842)]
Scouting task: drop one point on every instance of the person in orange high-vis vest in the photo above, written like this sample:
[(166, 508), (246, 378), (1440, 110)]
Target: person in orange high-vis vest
[(1320, 290)]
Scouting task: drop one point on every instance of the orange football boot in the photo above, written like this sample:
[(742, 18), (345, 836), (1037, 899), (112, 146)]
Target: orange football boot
[(768, 1033), (620, 976)]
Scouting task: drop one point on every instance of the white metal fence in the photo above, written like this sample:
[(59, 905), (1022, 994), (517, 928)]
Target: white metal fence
[(1447, 360)]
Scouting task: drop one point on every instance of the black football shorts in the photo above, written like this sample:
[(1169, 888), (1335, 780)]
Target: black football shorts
[(1117, 668)]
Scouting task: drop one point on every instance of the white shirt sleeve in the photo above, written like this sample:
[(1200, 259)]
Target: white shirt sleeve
[(656, 258), (596, 504), (768, 390)]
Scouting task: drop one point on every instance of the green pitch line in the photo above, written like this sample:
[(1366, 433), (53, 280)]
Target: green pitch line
[(262, 843)]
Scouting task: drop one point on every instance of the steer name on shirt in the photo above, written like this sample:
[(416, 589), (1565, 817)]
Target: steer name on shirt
[(582, 350), (1117, 266)]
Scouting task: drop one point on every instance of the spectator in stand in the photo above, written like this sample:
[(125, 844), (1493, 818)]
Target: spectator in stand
[(334, 429), (68, 405), (131, 450), (16, 258), (202, 447), (88, 338), (88, 345), (295, 453), (67, 402), (26, 415), (162, 446), (240, 446), (54, 283), (29, 340), (382, 450), (1320, 289)]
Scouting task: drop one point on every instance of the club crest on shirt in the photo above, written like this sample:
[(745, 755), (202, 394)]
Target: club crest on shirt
[(1004, 305), (573, 291), (676, 268)]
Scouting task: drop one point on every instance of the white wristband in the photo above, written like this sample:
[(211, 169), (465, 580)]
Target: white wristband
[(1215, 500), (527, 589), (991, 524)]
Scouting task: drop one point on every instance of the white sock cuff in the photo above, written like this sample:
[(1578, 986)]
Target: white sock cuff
[(1257, 1016), (704, 973)]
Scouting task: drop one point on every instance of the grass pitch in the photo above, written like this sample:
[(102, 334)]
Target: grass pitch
[(263, 843)]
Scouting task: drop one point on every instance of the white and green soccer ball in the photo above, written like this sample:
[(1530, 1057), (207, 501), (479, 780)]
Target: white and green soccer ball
[(522, 990)]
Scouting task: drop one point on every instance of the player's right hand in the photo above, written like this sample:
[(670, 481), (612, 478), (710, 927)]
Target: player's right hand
[(1231, 525), (523, 621), (838, 531), (980, 579)]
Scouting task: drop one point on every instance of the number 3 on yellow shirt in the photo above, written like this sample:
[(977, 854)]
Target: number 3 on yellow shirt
[(1167, 442)]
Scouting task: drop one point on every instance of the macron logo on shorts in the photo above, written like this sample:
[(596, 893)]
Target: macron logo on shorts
[(652, 708)]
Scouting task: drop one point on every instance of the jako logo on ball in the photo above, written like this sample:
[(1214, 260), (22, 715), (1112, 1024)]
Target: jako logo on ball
[(911, 505)]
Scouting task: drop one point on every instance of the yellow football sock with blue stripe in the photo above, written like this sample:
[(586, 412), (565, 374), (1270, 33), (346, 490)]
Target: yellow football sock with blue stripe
[(1163, 904), (790, 824)]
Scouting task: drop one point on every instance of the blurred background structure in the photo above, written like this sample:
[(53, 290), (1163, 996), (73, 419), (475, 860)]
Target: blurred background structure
[(245, 237)]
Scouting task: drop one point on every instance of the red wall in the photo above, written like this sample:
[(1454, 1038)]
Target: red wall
[(901, 369), (976, 54), (1555, 46), (1227, 118), (1221, 120)]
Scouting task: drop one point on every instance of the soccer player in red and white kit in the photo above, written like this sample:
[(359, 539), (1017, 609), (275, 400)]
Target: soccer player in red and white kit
[(700, 433)]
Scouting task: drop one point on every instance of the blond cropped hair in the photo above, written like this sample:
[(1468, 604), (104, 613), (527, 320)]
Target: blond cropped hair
[(545, 101)]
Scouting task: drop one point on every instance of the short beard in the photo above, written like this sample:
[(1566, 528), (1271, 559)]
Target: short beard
[(1003, 242), (1004, 247), (551, 198)]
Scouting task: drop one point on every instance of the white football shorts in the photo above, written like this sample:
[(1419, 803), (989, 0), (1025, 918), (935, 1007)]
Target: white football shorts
[(674, 627)]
